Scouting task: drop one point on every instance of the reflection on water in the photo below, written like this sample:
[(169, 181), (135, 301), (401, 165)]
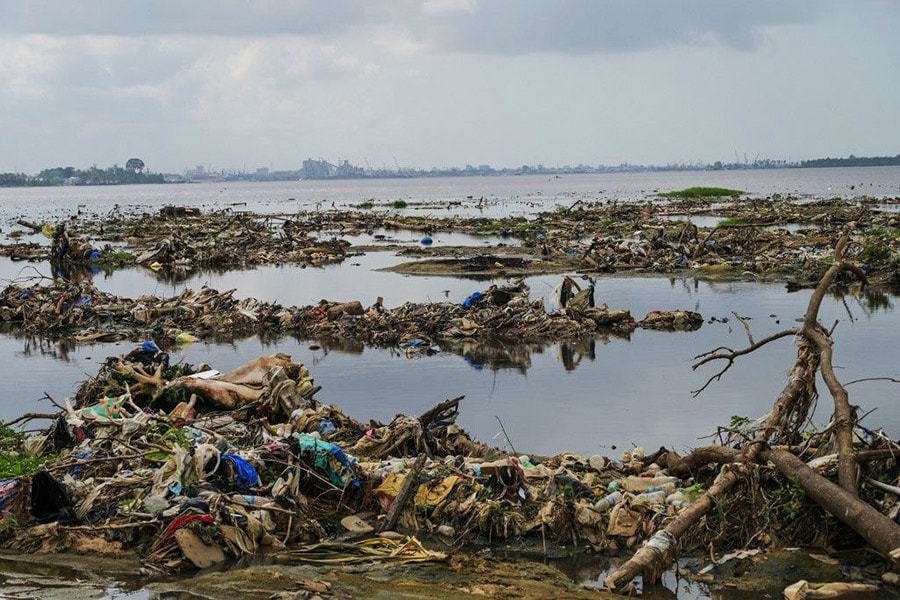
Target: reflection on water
[(58, 349), (584, 395), (356, 278), (714, 221), (572, 353), (869, 301)]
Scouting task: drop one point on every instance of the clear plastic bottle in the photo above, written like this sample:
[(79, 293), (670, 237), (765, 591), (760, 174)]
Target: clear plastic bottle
[(608, 501)]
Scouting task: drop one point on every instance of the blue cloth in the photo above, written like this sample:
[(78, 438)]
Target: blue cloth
[(475, 297), (247, 476), (9, 492), (322, 451), (150, 346)]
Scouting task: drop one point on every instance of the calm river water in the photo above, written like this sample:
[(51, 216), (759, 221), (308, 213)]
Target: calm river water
[(596, 396)]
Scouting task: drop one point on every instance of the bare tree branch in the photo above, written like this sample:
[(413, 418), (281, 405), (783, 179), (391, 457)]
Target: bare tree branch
[(731, 355), (872, 379), (745, 324)]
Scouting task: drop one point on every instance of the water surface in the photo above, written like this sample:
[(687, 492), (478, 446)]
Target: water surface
[(585, 396), (441, 196)]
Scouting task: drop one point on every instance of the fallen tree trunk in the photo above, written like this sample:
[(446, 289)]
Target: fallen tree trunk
[(32, 226), (878, 530)]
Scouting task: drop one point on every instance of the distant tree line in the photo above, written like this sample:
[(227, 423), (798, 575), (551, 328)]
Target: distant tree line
[(853, 161), (132, 173)]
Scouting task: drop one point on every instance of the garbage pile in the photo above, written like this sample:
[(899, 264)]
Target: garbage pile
[(180, 238), (772, 237), (498, 313), (187, 467), (241, 241)]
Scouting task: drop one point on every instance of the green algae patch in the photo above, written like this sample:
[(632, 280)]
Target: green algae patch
[(703, 192)]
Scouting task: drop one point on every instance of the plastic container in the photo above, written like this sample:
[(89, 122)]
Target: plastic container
[(609, 501), (666, 487), (640, 484), (678, 500), (658, 497)]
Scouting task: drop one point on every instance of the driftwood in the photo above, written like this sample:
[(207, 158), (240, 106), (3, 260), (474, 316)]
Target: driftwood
[(222, 395), (252, 373), (32, 226), (789, 412)]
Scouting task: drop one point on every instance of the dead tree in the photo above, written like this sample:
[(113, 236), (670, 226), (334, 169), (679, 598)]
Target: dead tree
[(790, 410)]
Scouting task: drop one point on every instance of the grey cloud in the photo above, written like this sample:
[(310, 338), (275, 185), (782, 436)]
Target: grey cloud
[(587, 26), (492, 26), (192, 17)]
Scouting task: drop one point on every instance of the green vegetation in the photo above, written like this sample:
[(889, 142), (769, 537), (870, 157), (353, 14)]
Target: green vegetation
[(607, 222), (739, 421), (733, 222), (702, 192), (399, 204), (133, 172), (853, 161), (876, 252), (366, 205), (12, 462), (791, 499), (118, 256), (879, 245), (528, 227), (893, 232)]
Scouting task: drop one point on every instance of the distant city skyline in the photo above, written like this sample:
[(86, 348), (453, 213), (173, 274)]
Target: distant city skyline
[(421, 83), (135, 172)]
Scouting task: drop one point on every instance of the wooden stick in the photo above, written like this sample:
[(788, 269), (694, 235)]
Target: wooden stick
[(397, 507), (29, 416)]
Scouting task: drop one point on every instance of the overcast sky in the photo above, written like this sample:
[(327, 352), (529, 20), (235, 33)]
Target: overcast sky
[(237, 84)]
